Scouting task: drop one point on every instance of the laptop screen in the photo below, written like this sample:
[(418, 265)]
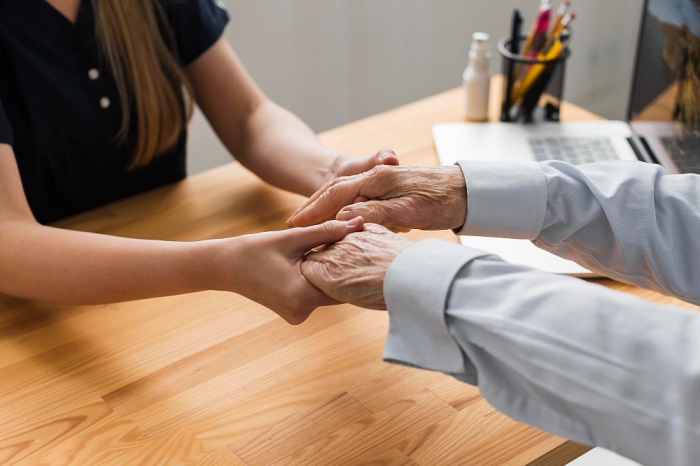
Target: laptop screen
[(666, 83)]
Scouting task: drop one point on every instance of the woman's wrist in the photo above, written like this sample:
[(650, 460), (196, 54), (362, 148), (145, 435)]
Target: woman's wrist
[(212, 264)]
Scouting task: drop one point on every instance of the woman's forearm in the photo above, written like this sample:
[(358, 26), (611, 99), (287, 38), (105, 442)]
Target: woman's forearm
[(44, 263), (283, 151), (51, 264)]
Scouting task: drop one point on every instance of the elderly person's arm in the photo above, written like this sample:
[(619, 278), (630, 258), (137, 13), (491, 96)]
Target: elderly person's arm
[(627, 220), (573, 358)]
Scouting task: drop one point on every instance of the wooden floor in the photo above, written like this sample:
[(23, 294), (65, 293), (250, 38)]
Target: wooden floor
[(212, 378)]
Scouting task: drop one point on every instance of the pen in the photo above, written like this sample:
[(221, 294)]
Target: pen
[(554, 51), (538, 32), (514, 49)]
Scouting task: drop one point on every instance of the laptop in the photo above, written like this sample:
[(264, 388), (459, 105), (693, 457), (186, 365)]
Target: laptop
[(662, 124)]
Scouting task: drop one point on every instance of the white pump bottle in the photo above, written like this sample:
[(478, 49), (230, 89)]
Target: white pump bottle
[(477, 79)]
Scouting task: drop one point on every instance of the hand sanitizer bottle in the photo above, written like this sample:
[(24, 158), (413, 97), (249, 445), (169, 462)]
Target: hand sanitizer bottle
[(477, 79)]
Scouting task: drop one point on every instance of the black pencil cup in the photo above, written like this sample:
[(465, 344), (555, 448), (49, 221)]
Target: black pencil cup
[(542, 100)]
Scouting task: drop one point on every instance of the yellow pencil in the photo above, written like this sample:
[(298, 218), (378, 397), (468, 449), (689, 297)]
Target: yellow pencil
[(558, 29), (561, 12), (535, 70)]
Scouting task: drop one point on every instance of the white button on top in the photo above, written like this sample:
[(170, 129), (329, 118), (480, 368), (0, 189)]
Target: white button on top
[(105, 102), (94, 74)]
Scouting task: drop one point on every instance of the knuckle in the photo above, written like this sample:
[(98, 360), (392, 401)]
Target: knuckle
[(331, 226), (331, 192), (330, 185), (373, 213), (376, 170), (376, 228), (383, 171)]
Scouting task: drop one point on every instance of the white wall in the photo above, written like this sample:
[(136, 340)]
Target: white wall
[(334, 61)]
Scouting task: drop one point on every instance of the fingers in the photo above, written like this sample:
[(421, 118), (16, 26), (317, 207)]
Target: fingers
[(311, 270), (305, 239), (323, 206), (309, 201), (352, 166), (356, 165), (388, 213), (353, 270), (383, 157)]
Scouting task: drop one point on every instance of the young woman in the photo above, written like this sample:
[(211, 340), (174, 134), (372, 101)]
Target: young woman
[(95, 96)]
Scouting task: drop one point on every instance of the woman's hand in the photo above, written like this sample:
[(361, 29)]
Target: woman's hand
[(266, 267), (353, 269), (347, 165), (400, 198)]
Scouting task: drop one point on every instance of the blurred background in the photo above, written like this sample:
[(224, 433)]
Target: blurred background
[(335, 61)]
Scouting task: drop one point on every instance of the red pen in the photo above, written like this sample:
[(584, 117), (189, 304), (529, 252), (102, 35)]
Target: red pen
[(536, 38), (540, 27)]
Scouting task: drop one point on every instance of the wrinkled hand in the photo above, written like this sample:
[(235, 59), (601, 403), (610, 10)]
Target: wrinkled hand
[(271, 272), (400, 198), (353, 270)]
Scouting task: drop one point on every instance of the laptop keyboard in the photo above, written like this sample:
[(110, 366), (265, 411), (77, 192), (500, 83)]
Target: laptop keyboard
[(684, 151), (574, 150)]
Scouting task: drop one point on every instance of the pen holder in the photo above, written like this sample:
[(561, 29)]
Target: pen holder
[(536, 97)]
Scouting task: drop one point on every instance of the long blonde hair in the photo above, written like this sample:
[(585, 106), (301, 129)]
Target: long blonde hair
[(153, 90)]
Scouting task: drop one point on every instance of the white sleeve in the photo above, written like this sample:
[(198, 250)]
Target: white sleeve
[(574, 358), (628, 220)]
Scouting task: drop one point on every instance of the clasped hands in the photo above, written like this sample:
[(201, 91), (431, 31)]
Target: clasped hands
[(388, 199), (274, 259), (322, 261)]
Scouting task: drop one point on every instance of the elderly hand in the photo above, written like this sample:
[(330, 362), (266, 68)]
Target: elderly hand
[(353, 270), (272, 273), (399, 197)]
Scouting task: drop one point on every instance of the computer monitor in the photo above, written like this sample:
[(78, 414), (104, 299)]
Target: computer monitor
[(666, 82)]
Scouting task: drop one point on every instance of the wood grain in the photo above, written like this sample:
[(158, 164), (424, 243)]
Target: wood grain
[(371, 435), (215, 379)]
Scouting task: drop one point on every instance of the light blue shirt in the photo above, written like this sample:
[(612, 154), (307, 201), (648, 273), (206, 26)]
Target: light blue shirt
[(574, 358)]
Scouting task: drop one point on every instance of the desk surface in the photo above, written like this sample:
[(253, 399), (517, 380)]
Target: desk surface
[(212, 378)]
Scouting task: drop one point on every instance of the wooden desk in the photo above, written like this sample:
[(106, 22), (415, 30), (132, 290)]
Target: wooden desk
[(212, 378)]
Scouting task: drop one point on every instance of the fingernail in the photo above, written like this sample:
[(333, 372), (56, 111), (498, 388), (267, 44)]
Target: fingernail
[(354, 222), (345, 215)]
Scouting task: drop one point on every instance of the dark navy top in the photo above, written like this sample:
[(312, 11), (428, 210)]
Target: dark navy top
[(60, 109)]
